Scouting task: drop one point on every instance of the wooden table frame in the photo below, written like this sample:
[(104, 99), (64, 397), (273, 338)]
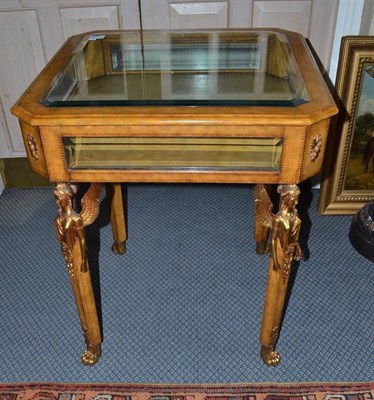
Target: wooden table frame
[(303, 130)]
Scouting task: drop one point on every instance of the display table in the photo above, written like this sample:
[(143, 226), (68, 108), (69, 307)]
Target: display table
[(244, 106)]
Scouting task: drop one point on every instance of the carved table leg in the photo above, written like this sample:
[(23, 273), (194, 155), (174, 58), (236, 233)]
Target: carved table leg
[(284, 248), (117, 217), (70, 231), (270, 320)]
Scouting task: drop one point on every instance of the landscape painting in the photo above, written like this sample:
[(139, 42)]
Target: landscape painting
[(360, 166), (347, 181)]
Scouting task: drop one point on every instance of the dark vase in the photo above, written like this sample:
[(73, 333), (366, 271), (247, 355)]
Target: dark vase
[(361, 233)]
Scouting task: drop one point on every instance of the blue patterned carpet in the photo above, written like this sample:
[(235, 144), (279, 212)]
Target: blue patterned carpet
[(184, 304)]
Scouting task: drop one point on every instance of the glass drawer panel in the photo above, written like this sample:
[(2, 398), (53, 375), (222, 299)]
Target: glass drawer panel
[(160, 153)]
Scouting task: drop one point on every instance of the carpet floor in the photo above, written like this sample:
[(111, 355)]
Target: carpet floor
[(184, 304)]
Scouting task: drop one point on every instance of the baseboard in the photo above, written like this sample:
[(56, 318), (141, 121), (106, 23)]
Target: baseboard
[(16, 173), (2, 185), (2, 175)]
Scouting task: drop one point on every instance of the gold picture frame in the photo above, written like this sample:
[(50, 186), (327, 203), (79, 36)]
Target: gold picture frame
[(347, 182)]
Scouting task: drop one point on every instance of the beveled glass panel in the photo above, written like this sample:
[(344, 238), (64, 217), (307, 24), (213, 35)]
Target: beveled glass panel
[(160, 153), (180, 68)]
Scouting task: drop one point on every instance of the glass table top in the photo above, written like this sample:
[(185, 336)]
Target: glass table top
[(215, 68)]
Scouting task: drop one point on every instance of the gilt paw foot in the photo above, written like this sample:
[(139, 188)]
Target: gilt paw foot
[(91, 355), (270, 357)]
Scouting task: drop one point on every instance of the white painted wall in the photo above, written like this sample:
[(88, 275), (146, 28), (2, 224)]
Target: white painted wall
[(348, 22)]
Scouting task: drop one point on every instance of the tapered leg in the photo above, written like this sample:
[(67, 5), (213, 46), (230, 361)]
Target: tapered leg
[(85, 301), (284, 248), (274, 302), (70, 231), (117, 217)]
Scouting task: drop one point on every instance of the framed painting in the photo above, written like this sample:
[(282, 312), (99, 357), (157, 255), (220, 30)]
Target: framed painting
[(348, 173)]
